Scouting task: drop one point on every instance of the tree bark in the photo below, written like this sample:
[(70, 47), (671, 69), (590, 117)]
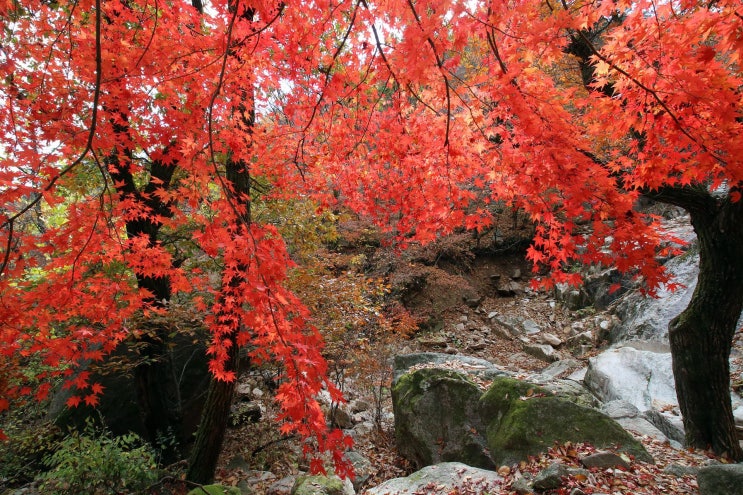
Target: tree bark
[(209, 437), (701, 336)]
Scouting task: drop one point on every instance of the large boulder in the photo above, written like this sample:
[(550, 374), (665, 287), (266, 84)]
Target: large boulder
[(437, 418), (644, 378), (721, 480), (447, 477), (441, 415), (524, 420), (647, 318)]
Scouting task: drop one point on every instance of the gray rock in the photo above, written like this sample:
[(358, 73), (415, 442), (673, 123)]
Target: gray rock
[(583, 338), (604, 460), (509, 288), (359, 405), (530, 327), (340, 417), (632, 419), (679, 471), (557, 368), (545, 352), (322, 485), (551, 477), (548, 338), (362, 468), (619, 408), (671, 425), (447, 477), (647, 318), (642, 378), (522, 486), (281, 487), (642, 426), (721, 480), (437, 418), (525, 419)]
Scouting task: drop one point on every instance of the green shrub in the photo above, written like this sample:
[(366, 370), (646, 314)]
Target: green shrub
[(96, 463), (22, 453)]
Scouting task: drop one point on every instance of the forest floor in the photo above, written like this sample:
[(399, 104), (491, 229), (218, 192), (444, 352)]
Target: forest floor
[(452, 287)]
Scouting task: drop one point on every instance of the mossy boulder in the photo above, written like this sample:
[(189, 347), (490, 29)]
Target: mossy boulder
[(524, 420), (437, 418), (440, 416)]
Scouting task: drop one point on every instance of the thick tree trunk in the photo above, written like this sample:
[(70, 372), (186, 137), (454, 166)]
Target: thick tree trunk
[(701, 336), (214, 417)]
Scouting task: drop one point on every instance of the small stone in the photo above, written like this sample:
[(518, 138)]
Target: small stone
[(583, 338), (551, 477), (545, 352), (435, 341), (464, 318), (548, 338), (460, 327), (522, 486), (516, 275), (282, 486), (476, 346), (359, 405), (604, 460), (679, 471), (530, 327), (257, 393), (509, 289)]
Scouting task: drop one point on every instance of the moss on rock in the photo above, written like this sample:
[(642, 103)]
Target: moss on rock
[(437, 418), (319, 485), (532, 425)]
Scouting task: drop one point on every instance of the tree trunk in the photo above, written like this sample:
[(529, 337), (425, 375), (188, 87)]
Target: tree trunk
[(214, 417), (157, 393), (701, 336)]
